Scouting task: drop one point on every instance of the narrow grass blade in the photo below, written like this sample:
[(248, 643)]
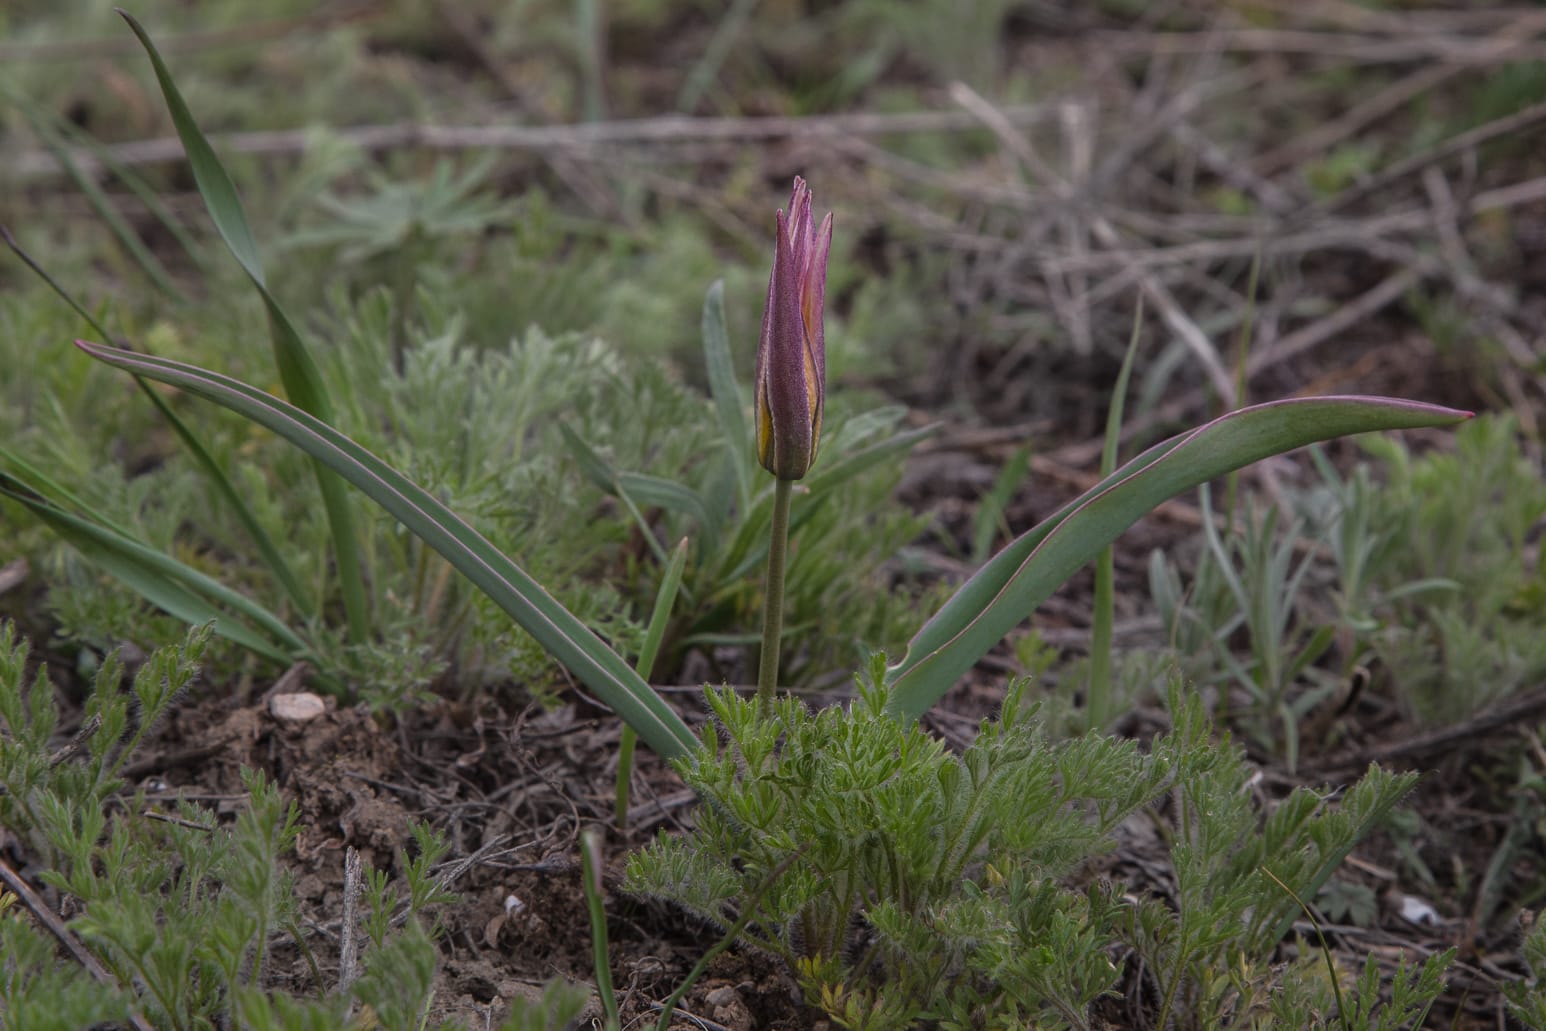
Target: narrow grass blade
[(826, 477), (634, 489), (105, 209), (590, 876), (85, 143), (663, 493), (725, 389), (28, 476), (665, 601), (1025, 573), (206, 463), (1104, 607), (602, 475), (990, 520), (555, 627), (172, 586), (1334, 974), (297, 370), (721, 46)]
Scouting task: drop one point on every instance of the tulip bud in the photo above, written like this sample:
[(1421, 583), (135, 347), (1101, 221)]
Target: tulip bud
[(791, 356)]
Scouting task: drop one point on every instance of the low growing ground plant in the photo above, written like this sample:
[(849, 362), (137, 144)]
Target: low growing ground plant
[(181, 909), (906, 884), (1418, 567)]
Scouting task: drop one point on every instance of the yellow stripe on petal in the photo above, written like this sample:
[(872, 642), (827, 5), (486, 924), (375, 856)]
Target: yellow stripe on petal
[(812, 380), (764, 434)]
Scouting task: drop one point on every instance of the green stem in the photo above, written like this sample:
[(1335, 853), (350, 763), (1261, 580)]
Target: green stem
[(773, 603)]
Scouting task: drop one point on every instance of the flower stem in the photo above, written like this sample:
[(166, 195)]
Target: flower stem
[(773, 603)]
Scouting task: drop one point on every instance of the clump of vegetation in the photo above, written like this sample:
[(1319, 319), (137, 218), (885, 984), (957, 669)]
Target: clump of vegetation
[(181, 909), (906, 884)]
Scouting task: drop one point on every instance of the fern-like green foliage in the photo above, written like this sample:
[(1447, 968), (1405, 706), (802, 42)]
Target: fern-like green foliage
[(906, 883), (182, 911), (37, 991), (1527, 998)]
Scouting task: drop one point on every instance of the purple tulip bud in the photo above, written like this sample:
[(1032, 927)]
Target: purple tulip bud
[(792, 354)]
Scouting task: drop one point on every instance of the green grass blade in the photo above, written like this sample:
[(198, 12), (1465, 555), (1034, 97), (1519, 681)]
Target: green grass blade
[(60, 496), (1104, 607), (634, 489), (654, 634), (666, 494), (83, 142), (297, 370), (98, 199), (175, 588), (665, 601), (208, 467), (602, 475), (567, 639), (826, 477), (1025, 573), (725, 389), (591, 865), (990, 520)]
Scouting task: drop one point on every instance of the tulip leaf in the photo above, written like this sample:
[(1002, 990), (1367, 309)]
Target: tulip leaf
[(666, 494), (1029, 569), (724, 387), (632, 489), (557, 629), (172, 586), (829, 475), (210, 469), (298, 371)]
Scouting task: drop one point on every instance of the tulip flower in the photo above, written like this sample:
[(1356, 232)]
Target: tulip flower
[(791, 356), (791, 389)]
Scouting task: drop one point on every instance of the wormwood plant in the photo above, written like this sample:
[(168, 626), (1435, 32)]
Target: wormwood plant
[(1431, 580), (1465, 520), (1247, 586), (183, 912), (906, 884)]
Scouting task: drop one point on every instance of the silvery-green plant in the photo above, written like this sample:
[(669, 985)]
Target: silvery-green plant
[(1253, 580), (181, 910)]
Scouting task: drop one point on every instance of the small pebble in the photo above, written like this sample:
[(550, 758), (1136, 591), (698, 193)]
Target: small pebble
[(299, 707)]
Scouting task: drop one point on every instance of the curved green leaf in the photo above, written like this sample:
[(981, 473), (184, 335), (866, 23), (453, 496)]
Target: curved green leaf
[(567, 639), (298, 371), (211, 469), (724, 388), (172, 586), (1029, 569)]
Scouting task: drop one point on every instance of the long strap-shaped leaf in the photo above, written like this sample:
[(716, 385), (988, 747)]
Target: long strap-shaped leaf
[(211, 470), (172, 586), (297, 369), (725, 390), (555, 627), (1029, 569)]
